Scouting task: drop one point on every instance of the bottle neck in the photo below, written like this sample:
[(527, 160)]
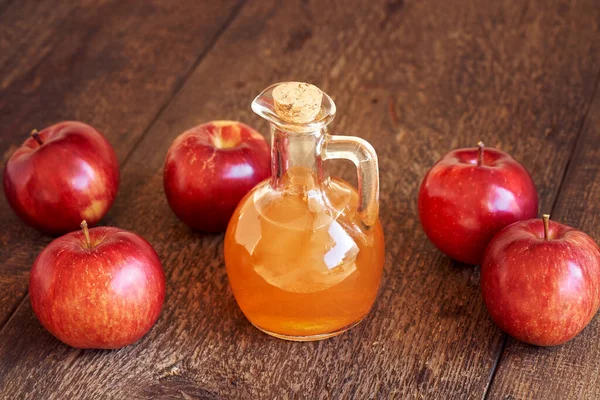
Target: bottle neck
[(296, 159)]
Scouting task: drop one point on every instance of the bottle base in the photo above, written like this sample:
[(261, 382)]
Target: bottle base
[(309, 338)]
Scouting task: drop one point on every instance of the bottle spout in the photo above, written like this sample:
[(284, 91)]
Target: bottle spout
[(295, 107)]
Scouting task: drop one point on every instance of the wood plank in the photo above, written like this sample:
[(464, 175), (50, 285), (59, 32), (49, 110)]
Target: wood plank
[(570, 371), (111, 64), (4, 4), (414, 78)]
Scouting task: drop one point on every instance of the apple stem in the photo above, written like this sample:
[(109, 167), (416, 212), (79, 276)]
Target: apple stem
[(86, 233), (36, 136), (480, 145), (546, 218)]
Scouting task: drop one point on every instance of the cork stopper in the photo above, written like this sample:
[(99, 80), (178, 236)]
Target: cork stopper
[(297, 102)]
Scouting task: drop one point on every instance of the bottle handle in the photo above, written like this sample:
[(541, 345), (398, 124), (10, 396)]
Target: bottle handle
[(362, 154)]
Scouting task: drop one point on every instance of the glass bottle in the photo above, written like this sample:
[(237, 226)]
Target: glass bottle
[(304, 252)]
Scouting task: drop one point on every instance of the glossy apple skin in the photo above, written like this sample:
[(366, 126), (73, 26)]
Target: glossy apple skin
[(463, 205), (72, 176), (105, 297), (543, 292), (210, 168)]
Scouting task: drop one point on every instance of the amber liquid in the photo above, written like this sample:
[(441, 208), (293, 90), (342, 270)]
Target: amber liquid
[(300, 267)]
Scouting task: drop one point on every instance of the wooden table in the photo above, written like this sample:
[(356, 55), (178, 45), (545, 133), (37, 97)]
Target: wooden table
[(415, 78)]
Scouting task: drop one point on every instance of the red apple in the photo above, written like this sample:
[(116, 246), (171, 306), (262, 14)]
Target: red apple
[(471, 194), (61, 175), (541, 284), (101, 289), (208, 170)]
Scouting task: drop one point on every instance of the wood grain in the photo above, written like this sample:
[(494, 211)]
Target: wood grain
[(570, 371), (416, 79), (4, 4), (111, 64)]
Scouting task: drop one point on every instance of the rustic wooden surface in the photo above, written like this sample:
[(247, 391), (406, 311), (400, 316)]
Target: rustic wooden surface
[(415, 78)]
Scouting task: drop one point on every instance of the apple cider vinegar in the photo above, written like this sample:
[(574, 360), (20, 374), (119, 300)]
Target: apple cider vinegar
[(295, 270), (304, 252)]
